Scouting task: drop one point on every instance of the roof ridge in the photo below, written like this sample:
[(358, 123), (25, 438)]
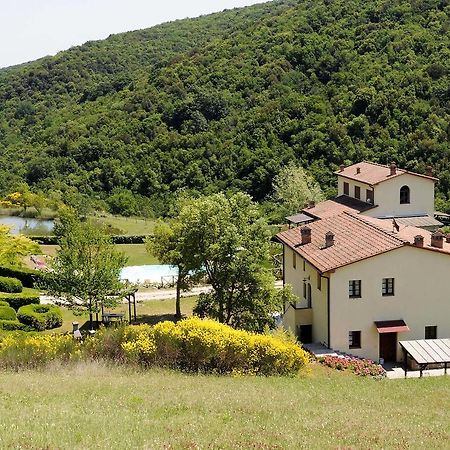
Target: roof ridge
[(375, 226), (386, 166)]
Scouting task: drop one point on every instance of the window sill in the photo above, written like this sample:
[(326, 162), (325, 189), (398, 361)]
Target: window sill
[(354, 348), (388, 295), (355, 296)]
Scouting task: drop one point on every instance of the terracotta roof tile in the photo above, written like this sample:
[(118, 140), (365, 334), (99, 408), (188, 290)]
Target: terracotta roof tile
[(355, 239), (372, 173), (338, 205)]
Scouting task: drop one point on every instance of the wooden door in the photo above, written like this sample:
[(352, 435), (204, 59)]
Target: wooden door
[(388, 346)]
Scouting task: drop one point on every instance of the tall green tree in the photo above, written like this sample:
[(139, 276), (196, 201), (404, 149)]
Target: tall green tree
[(170, 245), (85, 273), (229, 242)]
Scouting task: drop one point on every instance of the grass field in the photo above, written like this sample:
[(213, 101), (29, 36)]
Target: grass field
[(126, 225), (95, 406), (136, 253), (151, 311)]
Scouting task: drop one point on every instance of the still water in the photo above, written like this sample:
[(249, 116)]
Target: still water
[(31, 227)]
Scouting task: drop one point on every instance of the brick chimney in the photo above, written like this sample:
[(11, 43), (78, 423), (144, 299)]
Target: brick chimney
[(429, 171), (341, 168), (393, 168), (306, 235), (358, 170), (329, 239), (311, 204), (437, 239), (418, 241)]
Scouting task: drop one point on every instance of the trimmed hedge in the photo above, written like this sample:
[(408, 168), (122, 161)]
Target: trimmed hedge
[(28, 277), (13, 325), (7, 313), (10, 285), (3, 303), (116, 239), (40, 317), (18, 300)]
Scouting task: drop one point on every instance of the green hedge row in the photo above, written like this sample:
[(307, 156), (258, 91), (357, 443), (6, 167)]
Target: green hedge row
[(18, 300), (10, 285), (7, 313), (28, 277), (116, 239), (40, 317), (13, 325)]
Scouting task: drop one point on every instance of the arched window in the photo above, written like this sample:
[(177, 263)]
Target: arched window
[(404, 195)]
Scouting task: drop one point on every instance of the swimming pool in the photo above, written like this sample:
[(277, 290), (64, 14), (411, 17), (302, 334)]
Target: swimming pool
[(158, 273)]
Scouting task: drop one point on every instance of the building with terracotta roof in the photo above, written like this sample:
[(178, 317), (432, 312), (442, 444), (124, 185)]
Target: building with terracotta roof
[(365, 283)]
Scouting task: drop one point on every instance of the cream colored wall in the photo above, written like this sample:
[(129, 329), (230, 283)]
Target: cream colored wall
[(387, 197), (422, 298), (295, 278), (352, 185)]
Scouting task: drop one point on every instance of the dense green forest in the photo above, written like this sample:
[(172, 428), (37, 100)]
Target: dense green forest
[(222, 102)]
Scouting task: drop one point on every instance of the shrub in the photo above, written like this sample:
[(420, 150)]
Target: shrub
[(18, 300), (40, 317), (359, 366), (13, 325), (28, 277), (7, 313), (3, 303), (10, 285)]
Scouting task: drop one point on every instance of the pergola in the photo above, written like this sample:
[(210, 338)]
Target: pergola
[(425, 352)]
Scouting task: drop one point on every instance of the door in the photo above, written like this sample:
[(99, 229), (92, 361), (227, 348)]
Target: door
[(305, 334), (388, 346)]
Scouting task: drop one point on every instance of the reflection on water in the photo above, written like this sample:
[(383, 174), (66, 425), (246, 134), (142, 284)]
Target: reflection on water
[(35, 227)]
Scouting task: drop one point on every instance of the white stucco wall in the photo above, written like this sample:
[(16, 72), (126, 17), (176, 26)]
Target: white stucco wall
[(352, 185), (422, 298), (295, 278), (387, 197)]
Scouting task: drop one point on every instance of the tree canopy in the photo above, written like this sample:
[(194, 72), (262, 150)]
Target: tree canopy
[(223, 102)]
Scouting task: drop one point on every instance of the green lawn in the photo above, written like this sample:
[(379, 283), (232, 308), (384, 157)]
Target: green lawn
[(94, 406), (136, 253), (151, 311), (126, 225)]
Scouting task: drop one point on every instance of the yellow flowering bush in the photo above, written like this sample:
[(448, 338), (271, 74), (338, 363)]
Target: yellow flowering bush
[(30, 350), (192, 344)]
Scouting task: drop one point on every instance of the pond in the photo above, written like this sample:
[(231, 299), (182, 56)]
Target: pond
[(158, 273), (31, 227)]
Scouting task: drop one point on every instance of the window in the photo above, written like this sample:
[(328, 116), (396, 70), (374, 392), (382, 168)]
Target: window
[(404, 195), (346, 188), (354, 339), (319, 281), (354, 288), (369, 196), (387, 287), (294, 260), (304, 290), (431, 332), (358, 192), (309, 296), (304, 265)]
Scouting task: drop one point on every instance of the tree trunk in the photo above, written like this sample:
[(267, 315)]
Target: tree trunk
[(178, 299), (90, 314)]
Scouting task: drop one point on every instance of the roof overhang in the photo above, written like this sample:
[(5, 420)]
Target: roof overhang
[(391, 326)]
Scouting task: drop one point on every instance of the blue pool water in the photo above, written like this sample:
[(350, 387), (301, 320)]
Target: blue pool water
[(152, 273)]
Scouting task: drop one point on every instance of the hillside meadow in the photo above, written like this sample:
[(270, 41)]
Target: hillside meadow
[(97, 406)]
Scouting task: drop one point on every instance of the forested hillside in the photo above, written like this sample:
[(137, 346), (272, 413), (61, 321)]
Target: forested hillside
[(223, 101)]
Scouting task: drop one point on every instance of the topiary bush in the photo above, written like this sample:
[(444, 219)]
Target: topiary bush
[(40, 317), (18, 300), (28, 277), (7, 313), (3, 303), (10, 285), (13, 325)]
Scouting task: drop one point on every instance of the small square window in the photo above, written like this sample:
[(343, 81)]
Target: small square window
[(358, 192), (354, 289), (354, 339), (387, 287), (431, 332)]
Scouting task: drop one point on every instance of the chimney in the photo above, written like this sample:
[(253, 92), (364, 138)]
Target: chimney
[(341, 168), (306, 235), (429, 171), (418, 241), (311, 204), (437, 239), (393, 168), (329, 239), (358, 170)]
